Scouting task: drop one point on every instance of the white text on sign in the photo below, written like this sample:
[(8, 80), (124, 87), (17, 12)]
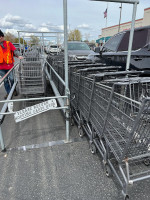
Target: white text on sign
[(35, 110)]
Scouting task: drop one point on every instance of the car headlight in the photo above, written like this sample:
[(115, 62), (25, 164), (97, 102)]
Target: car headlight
[(81, 57)]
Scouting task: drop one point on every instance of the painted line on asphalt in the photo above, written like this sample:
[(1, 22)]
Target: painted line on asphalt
[(46, 144)]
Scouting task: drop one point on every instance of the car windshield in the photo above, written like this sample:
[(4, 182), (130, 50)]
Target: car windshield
[(140, 39), (113, 42), (78, 46), (53, 46)]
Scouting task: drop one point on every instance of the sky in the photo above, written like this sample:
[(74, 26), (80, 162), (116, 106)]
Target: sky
[(47, 15)]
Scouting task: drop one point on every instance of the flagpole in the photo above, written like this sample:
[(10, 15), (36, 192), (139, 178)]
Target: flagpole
[(106, 15), (120, 18)]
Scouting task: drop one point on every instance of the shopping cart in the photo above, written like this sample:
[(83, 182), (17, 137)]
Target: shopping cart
[(125, 136), (31, 77)]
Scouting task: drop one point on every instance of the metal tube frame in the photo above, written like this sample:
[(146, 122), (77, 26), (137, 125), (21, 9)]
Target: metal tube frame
[(66, 107), (41, 38), (67, 92), (42, 34), (4, 108)]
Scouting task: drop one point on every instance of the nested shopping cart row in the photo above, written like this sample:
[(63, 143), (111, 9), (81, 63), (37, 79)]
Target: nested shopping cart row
[(113, 108), (115, 114)]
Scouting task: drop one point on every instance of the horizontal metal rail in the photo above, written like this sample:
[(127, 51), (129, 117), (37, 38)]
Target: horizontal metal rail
[(29, 99), (39, 32), (29, 37), (58, 108), (62, 81), (120, 1)]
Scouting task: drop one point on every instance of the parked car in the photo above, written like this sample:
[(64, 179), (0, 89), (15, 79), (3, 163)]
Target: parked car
[(53, 49), (78, 50), (18, 47), (115, 50)]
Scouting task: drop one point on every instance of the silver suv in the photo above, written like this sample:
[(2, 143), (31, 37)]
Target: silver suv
[(78, 50)]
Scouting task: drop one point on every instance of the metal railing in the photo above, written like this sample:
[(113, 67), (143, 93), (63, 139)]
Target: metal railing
[(5, 106), (63, 106)]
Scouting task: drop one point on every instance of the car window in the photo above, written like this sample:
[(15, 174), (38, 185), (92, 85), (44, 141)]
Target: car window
[(53, 46), (148, 37), (139, 40), (78, 46), (112, 44)]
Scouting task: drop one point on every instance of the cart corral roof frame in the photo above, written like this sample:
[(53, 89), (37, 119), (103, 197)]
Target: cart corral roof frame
[(120, 1)]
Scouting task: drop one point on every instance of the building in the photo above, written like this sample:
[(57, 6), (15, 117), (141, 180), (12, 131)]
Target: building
[(112, 30)]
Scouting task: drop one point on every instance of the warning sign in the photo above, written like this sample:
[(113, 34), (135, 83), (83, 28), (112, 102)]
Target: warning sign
[(35, 110)]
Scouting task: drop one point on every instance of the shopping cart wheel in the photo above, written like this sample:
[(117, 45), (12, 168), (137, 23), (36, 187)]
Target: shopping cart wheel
[(108, 170), (126, 197), (80, 131), (92, 148), (147, 161)]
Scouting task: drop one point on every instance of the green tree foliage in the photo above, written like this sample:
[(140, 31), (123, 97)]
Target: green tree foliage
[(74, 35), (21, 41), (34, 40), (10, 37)]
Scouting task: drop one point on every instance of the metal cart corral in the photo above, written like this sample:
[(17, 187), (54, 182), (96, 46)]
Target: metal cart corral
[(64, 99)]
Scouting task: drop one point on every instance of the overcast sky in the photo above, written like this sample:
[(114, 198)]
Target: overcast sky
[(47, 15)]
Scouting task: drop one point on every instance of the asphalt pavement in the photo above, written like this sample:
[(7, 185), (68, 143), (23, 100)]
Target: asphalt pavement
[(59, 172)]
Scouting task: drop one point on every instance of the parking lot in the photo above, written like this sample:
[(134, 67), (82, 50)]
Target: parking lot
[(75, 124), (67, 171)]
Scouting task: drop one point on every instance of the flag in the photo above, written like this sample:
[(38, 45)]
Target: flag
[(105, 13)]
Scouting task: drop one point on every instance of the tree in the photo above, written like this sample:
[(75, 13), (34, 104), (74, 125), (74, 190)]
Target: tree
[(34, 40), (74, 35), (85, 41), (21, 41), (10, 37)]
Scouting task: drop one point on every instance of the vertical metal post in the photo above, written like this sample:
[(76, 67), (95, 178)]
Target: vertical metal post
[(57, 43), (23, 46), (43, 42), (19, 42), (66, 66), (131, 36), (1, 140)]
